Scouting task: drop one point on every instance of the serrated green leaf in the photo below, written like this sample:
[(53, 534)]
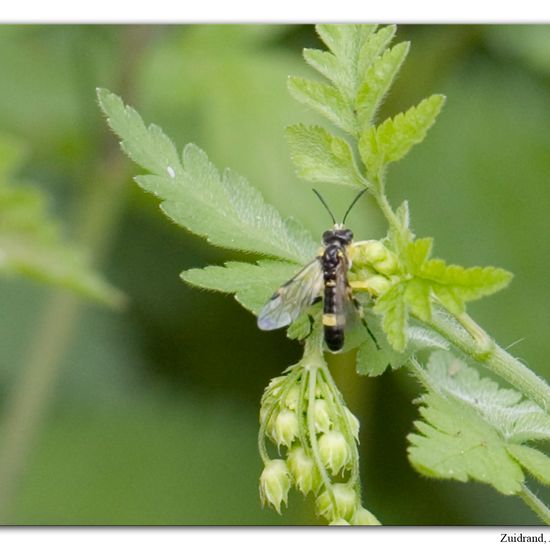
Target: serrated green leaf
[(345, 41), (418, 299), (341, 66), (299, 329), (393, 139), (417, 252), (392, 307), (471, 428), (320, 156), (377, 81), (455, 284), (147, 146), (252, 284), (535, 462), (325, 99), (371, 360), (517, 420), (373, 47), (224, 209), (454, 443)]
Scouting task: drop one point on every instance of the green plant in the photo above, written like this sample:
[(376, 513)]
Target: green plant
[(415, 305)]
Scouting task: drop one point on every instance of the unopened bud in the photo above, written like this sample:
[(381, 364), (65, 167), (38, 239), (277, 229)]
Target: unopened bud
[(353, 423), (334, 451), (303, 470), (374, 251), (387, 266), (284, 429), (343, 506), (292, 398), (363, 517), (377, 284), (275, 483), (322, 415)]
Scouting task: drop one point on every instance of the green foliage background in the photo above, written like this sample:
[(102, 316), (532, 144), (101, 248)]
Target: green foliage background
[(154, 417)]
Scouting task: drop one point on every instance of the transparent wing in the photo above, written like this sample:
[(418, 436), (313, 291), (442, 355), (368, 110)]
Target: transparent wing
[(293, 297)]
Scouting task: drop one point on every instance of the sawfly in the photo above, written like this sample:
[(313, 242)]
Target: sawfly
[(324, 278)]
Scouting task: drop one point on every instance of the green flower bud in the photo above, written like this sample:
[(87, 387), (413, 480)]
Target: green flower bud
[(274, 387), (303, 470), (363, 517), (339, 521), (374, 252), (377, 284), (343, 506), (353, 423), (322, 415), (334, 451), (275, 483), (292, 398), (387, 266), (284, 428)]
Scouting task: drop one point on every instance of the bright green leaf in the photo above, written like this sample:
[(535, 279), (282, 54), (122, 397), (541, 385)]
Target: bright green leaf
[(300, 329), (252, 284), (223, 208), (455, 284), (516, 419), (537, 463), (391, 306), (373, 47), (325, 99), (320, 156), (472, 428), (377, 81), (455, 443), (393, 139)]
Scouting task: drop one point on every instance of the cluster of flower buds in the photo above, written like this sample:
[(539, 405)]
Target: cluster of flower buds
[(374, 265), (316, 438)]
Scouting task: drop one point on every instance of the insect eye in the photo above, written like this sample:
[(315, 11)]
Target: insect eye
[(327, 235), (349, 235)]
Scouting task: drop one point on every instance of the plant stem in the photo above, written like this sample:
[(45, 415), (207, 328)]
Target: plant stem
[(535, 504), (492, 357)]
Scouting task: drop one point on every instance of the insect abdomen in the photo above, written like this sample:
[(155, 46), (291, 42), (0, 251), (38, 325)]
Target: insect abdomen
[(333, 321)]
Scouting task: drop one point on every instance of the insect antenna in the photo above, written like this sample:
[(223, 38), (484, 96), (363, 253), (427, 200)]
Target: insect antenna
[(325, 205), (352, 205)]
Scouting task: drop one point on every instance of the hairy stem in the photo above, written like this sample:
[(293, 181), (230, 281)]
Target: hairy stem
[(493, 357), (535, 504)]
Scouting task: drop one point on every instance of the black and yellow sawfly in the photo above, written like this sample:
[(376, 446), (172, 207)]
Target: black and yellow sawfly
[(323, 278)]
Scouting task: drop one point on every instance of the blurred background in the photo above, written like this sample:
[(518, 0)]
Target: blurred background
[(149, 415)]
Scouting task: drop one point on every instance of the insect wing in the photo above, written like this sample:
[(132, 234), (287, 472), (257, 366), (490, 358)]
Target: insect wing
[(293, 297)]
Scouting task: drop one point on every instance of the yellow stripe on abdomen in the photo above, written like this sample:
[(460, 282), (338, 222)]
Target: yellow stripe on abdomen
[(329, 320)]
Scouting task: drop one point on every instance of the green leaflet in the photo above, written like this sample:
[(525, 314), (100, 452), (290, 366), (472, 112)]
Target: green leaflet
[(427, 277), (393, 139), (320, 156), (224, 209), (393, 309), (472, 428), (535, 462), (341, 66), (454, 443), (378, 78), (32, 243), (252, 284), (325, 99)]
